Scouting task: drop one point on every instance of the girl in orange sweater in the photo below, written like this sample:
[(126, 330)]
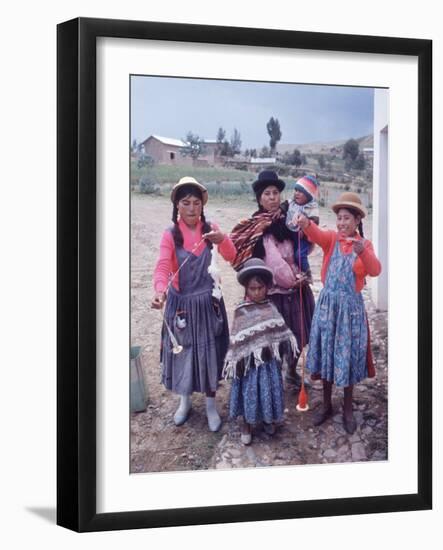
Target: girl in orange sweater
[(339, 351)]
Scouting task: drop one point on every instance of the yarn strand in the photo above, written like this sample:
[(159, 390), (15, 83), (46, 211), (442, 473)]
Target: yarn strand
[(302, 404)]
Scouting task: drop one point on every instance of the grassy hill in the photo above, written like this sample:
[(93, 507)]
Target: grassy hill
[(323, 147)]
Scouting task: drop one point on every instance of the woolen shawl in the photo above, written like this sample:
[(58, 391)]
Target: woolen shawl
[(257, 331)]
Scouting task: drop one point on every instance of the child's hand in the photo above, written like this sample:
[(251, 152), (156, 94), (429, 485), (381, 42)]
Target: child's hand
[(358, 245), (294, 221), (302, 221)]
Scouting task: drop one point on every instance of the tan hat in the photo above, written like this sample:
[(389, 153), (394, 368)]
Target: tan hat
[(187, 180), (349, 200)]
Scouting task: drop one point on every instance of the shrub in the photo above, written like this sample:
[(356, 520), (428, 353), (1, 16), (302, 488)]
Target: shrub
[(145, 160), (149, 185), (283, 170)]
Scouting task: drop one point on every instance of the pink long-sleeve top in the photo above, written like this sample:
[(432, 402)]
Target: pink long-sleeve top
[(279, 256), (167, 261), (365, 264)]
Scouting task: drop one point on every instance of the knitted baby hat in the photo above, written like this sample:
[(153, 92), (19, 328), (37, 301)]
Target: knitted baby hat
[(308, 185)]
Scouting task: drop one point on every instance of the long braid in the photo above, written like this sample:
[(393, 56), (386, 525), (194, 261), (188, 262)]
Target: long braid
[(356, 213), (206, 227), (176, 231)]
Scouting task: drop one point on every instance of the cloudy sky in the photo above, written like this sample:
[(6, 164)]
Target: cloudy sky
[(171, 107)]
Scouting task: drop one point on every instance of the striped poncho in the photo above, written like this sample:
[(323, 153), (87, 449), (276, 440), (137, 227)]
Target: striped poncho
[(257, 332)]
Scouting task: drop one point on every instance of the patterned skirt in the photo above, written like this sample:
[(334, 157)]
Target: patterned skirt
[(339, 339), (258, 395)]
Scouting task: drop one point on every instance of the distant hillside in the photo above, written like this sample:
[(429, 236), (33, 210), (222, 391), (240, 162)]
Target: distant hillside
[(323, 147)]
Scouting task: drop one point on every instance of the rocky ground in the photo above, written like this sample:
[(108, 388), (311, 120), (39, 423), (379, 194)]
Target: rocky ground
[(158, 445)]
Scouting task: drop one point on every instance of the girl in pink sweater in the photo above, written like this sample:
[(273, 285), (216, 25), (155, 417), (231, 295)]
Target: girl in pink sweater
[(195, 311)]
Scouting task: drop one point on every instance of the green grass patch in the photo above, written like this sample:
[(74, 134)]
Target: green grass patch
[(171, 174)]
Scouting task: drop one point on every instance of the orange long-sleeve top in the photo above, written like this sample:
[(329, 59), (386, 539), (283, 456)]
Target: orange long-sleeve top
[(167, 260), (365, 264)]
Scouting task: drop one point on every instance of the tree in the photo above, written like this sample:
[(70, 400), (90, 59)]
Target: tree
[(321, 161), (296, 158), (273, 127), (195, 146), (225, 149), (221, 135), (360, 162), (350, 150), (235, 142), (265, 152), (293, 158)]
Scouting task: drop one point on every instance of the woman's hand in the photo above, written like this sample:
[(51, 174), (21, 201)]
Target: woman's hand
[(277, 214), (302, 221), (214, 236), (301, 280), (158, 300)]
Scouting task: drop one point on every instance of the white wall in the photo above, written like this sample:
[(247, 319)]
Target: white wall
[(28, 274), (379, 285)]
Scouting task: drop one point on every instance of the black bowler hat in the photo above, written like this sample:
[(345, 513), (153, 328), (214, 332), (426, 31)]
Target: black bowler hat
[(265, 179)]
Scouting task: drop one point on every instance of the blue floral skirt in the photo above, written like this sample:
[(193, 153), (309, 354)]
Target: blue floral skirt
[(258, 395), (339, 339)]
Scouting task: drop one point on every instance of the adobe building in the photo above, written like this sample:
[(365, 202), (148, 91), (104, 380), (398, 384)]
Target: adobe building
[(165, 150)]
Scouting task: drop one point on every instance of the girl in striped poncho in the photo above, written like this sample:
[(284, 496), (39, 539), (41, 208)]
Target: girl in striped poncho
[(258, 337)]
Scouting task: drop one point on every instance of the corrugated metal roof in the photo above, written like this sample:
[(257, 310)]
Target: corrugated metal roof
[(269, 160), (169, 141)]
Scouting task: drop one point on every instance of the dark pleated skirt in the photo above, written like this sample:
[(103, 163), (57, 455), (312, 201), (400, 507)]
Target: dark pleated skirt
[(289, 307), (205, 340)]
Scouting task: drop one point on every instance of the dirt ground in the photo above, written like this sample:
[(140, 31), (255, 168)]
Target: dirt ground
[(158, 445)]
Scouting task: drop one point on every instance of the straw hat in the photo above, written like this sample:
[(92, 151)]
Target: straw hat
[(252, 268), (187, 180), (349, 200)]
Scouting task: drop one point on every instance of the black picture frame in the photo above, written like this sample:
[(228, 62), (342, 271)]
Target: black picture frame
[(76, 265)]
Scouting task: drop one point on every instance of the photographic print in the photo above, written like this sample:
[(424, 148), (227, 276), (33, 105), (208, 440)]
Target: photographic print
[(259, 274), (225, 234)]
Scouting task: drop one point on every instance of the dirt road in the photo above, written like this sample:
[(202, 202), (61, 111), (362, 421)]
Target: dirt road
[(158, 445)]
